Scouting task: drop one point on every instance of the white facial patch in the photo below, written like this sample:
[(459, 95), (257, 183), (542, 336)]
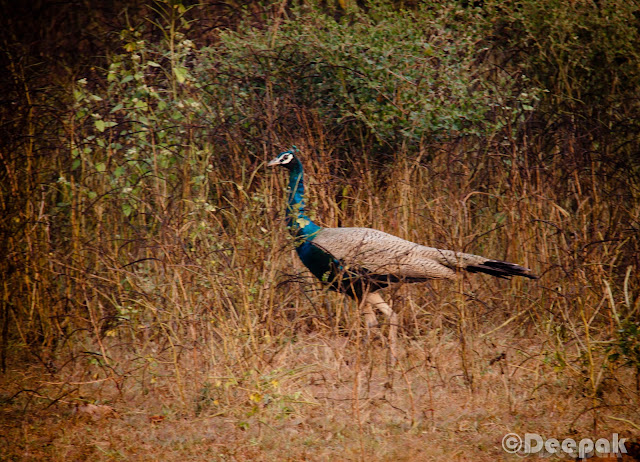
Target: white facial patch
[(286, 158)]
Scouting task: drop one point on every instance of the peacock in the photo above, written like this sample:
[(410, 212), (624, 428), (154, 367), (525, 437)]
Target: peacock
[(361, 261)]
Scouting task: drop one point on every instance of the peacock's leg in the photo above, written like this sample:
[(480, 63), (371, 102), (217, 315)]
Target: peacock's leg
[(369, 316), (376, 301)]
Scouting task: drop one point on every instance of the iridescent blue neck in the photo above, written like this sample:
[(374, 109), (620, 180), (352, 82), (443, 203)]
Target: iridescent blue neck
[(299, 224)]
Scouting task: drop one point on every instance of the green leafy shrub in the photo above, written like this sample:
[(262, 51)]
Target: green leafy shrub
[(390, 76)]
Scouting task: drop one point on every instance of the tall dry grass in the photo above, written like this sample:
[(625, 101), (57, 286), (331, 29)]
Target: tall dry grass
[(214, 319)]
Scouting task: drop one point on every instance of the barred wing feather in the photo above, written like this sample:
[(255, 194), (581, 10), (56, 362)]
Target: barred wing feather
[(384, 254)]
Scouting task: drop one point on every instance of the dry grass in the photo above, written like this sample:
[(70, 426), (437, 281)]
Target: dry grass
[(316, 398), (227, 350)]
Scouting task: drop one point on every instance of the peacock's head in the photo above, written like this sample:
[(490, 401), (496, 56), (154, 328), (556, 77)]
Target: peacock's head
[(286, 159)]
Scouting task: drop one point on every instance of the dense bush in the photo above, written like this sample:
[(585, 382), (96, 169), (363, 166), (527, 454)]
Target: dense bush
[(585, 55), (388, 77)]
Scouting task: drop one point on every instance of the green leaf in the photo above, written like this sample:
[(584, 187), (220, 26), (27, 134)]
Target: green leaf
[(181, 73), (141, 105), (100, 125)]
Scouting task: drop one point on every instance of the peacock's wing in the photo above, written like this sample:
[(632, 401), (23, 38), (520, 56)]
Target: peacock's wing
[(383, 254)]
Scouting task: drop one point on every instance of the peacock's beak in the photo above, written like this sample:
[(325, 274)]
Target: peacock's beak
[(273, 162)]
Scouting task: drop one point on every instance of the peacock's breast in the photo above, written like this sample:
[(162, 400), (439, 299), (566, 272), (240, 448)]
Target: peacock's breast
[(319, 262)]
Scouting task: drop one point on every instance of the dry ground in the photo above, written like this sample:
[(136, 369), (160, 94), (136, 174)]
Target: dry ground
[(310, 398)]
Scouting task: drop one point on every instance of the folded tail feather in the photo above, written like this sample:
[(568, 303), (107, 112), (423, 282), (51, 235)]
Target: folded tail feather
[(501, 269)]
